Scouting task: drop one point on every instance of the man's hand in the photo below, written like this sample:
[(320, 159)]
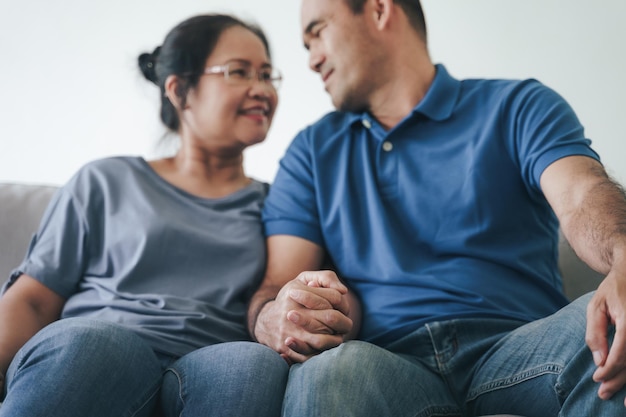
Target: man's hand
[(308, 316), (608, 308)]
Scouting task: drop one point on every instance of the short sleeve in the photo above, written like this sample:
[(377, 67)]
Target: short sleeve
[(544, 128), (56, 253), (291, 207)]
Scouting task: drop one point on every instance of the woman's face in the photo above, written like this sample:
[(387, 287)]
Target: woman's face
[(231, 114)]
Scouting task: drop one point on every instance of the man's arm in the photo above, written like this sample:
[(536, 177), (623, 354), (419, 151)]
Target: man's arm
[(296, 313), (592, 212)]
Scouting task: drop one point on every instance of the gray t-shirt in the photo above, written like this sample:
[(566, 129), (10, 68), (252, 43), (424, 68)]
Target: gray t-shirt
[(123, 245)]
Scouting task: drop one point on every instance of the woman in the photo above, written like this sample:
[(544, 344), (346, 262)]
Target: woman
[(150, 265)]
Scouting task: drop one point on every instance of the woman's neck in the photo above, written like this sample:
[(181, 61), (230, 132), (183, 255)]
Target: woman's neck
[(203, 174)]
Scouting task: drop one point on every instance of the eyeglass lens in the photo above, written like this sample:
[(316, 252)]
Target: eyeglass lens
[(241, 73)]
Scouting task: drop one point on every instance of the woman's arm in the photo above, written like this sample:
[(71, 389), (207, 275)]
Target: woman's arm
[(25, 308)]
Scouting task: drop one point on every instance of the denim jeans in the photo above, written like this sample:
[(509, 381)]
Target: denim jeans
[(465, 367), (237, 379), (82, 367)]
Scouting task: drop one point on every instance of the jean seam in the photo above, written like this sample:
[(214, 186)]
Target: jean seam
[(180, 389), (551, 368), (443, 357), (439, 411), (154, 392)]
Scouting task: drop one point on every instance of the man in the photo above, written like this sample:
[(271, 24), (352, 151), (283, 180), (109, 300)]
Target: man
[(438, 202)]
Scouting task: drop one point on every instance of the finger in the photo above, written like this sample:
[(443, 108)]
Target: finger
[(325, 279), (300, 347), (596, 332), (321, 322), (610, 387), (613, 373), (292, 356), (315, 344), (286, 359), (320, 299), (617, 352)]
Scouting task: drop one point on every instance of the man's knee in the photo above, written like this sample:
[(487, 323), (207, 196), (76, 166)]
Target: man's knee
[(351, 361)]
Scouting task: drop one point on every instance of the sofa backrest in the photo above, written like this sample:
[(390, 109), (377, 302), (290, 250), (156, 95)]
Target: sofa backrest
[(578, 278), (21, 208)]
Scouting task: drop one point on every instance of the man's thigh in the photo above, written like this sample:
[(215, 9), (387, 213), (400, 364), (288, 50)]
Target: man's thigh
[(541, 369), (361, 379)]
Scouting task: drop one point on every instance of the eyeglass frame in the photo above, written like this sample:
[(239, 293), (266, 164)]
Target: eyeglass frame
[(251, 74)]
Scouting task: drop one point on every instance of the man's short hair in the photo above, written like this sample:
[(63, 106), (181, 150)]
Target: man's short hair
[(412, 8)]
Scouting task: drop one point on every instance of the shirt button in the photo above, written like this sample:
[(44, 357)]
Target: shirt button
[(366, 123), (387, 146)]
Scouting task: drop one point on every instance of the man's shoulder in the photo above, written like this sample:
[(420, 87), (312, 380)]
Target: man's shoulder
[(506, 95), (499, 86)]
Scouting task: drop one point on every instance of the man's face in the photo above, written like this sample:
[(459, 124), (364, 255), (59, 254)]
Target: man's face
[(339, 48)]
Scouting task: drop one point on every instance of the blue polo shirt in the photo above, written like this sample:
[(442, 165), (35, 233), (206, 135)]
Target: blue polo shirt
[(442, 216)]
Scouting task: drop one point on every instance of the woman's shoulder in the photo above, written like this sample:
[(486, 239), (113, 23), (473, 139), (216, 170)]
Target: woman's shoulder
[(260, 185), (110, 168), (113, 164), (104, 173)]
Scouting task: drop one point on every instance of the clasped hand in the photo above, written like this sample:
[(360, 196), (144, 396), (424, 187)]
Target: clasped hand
[(308, 316)]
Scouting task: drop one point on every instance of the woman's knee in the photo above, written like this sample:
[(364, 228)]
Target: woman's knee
[(237, 360), (240, 374), (87, 337), (89, 344), (95, 360)]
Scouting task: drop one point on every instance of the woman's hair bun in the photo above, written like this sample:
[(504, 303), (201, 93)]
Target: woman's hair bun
[(147, 64)]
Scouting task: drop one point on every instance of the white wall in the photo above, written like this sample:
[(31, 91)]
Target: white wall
[(71, 91)]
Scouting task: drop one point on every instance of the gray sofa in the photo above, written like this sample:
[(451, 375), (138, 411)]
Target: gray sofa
[(21, 208)]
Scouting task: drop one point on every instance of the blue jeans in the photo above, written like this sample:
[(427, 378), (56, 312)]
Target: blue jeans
[(235, 379), (83, 367), (464, 367)]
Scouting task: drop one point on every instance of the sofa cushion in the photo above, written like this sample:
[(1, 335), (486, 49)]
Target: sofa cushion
[(21, 208)]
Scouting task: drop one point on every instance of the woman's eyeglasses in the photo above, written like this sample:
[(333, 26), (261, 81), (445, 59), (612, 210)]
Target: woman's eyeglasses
[(241, 73)]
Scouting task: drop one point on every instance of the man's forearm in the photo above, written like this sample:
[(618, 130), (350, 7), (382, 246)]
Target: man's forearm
[(264, 295), (598, 227)]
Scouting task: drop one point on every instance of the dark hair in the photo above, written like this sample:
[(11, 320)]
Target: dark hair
[(184, 53), (412, 8)]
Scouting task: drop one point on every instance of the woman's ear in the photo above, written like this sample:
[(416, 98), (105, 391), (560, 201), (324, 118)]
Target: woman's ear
[(172, 89)]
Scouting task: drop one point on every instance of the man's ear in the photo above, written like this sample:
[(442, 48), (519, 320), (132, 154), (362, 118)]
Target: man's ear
[(382, 10)]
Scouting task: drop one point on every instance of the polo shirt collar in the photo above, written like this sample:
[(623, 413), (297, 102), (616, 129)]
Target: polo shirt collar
[(438, 103), (441, 98)]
